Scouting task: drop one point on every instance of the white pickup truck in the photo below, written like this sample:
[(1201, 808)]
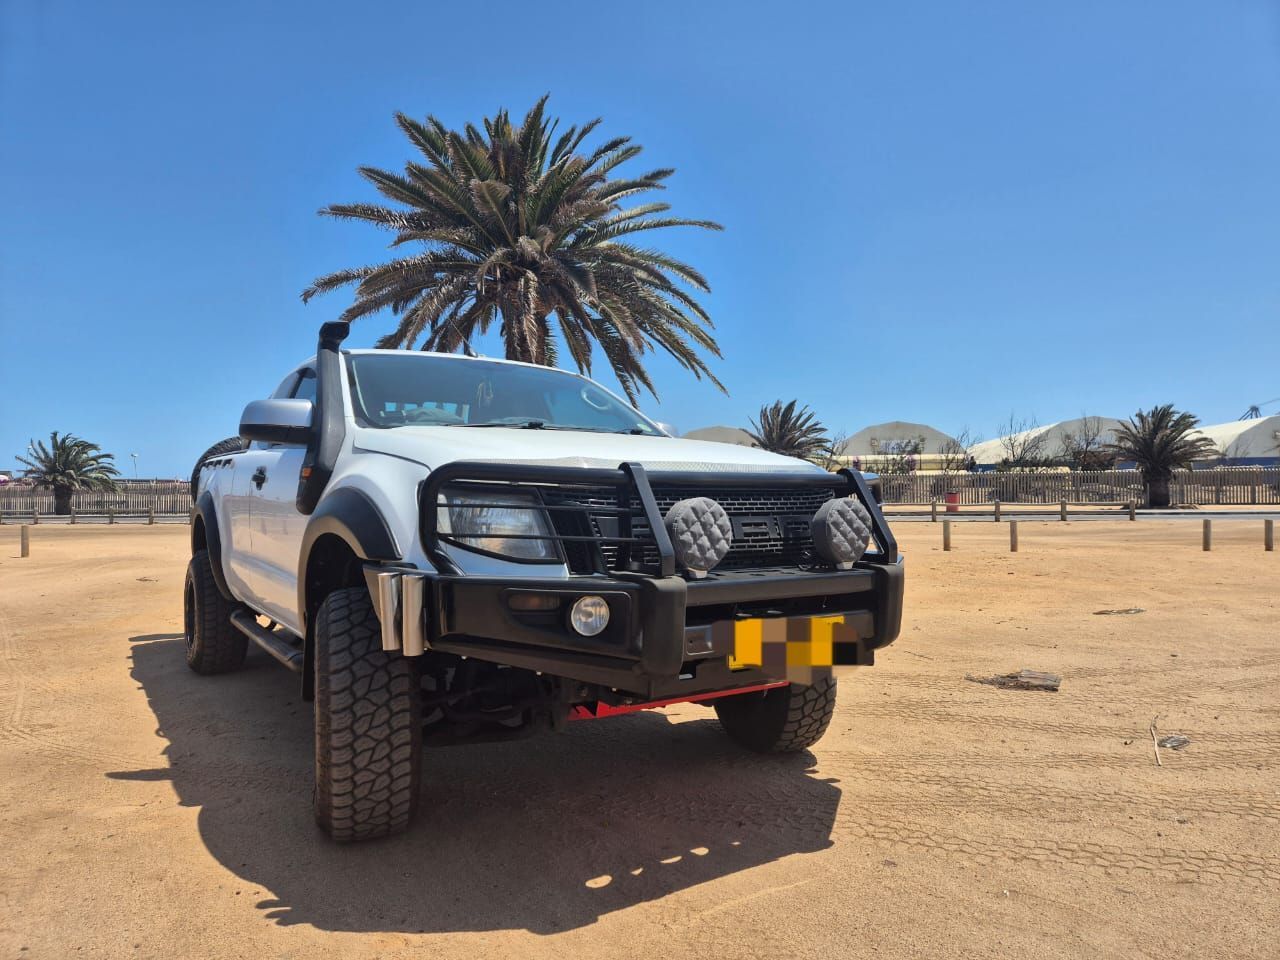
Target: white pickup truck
[(452, 548)]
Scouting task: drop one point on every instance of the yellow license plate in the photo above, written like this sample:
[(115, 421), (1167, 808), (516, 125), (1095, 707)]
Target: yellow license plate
[(800, 648)]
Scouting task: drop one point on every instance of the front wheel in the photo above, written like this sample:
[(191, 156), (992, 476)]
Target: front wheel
[(782, 720), (368, 724)]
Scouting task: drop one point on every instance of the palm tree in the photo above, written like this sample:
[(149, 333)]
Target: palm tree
[(790, 432), (69, 464), (1159, 441), (515, 226)]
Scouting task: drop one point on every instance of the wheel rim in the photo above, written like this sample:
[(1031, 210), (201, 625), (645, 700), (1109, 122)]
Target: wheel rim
[(189, 614)]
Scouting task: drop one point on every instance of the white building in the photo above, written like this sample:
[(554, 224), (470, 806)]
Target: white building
[(898, 436), (1045, 442), (1246, 442), (722, 435)]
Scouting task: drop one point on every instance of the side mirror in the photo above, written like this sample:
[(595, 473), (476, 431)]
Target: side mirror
[(278, 421)]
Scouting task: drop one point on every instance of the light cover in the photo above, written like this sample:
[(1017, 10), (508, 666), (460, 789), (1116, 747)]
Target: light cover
[(700, 532), (841, 531)]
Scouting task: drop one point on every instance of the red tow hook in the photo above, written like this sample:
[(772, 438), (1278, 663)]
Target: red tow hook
[(584, 712)]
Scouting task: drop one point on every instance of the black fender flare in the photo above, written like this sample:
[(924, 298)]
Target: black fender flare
[(208, 515), (354, 518)]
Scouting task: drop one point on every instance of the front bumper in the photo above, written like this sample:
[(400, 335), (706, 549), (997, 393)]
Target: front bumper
[(666, 636)]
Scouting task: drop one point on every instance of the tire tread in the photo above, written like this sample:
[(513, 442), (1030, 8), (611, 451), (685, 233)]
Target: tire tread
[(368, 724), (784, 720)]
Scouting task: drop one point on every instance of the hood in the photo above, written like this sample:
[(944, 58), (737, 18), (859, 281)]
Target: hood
[(435, 446)]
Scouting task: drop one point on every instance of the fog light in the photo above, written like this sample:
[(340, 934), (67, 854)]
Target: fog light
[(701, 534), (841, 532), (589, 616)]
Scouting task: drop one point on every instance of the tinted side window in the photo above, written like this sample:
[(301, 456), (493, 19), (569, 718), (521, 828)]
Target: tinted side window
[(306, 388), (285, 389)]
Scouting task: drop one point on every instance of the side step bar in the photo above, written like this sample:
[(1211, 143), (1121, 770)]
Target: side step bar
[(273, 643)]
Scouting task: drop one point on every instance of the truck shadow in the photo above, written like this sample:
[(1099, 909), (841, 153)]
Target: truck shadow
[(545, 834)]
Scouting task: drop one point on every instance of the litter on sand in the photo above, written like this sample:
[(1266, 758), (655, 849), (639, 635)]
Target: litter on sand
[(1127, 611), (1022, 680)]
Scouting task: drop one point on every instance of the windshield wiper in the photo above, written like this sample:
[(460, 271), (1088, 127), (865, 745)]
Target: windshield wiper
[(535, 424), (510, 424)]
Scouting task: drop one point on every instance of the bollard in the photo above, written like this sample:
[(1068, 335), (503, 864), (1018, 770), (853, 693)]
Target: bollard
[(1268, 535), (25, 537), (1, 517), (997, 511), (1133, 509), (73, 515), (191, 515), (111, 514), (946, 534), (35, 516), (1208, 534), (1063, 512), (1013, 536), (934, 511), (151, 515)]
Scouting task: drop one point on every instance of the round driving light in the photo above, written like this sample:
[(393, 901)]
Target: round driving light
[(589, 615), (841, 531), (701, 534)]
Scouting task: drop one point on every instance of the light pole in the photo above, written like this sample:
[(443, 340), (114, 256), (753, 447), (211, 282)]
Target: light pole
[(135, 465)]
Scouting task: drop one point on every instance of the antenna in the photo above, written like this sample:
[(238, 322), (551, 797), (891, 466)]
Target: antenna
[(467, 349)]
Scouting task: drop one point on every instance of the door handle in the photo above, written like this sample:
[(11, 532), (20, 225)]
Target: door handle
[(259, 477)]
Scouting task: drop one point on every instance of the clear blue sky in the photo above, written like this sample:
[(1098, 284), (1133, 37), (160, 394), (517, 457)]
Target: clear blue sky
[(935, 211)]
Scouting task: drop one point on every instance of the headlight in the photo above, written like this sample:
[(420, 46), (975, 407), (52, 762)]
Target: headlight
[(508, 524)]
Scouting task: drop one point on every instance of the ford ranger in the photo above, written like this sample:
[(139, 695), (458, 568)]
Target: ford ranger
[(449, 549)]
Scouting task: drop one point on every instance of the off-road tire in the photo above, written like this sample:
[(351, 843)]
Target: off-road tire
[(782, 720), (213, 644), (221, 448), (368, 724)]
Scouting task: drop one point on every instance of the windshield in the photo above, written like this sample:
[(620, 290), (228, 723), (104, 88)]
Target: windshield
[(402, 389)]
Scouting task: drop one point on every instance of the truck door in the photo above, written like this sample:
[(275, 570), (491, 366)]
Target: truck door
[(233, 519), (277, 526)]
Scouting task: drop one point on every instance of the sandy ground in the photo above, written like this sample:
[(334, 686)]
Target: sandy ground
[(145, 811)]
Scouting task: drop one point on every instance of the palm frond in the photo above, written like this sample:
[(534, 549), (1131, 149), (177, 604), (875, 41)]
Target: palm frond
[(526, 228)]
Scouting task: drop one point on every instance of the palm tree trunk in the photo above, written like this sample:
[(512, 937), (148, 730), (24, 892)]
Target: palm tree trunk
[(62, 501), (1158, 492)]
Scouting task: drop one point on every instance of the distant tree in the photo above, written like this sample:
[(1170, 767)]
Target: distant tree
[(66, 465), (900, 456), (1159, 441), (1085, 448), (954, 456), (517, 226), (833, 455), (793, 433), (1023, 444)]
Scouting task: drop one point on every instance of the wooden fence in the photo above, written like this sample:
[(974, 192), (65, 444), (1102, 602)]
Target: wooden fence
[(164, 497), (1224, 485), (1245, 486)]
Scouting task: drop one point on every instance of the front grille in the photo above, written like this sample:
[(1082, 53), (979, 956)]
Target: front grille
[(770, 524)]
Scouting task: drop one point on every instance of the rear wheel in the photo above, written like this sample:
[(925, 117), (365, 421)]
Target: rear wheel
[(368, 723), (782, 720), (213, 644)]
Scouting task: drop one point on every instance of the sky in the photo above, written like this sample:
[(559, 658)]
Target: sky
[(939, 212)]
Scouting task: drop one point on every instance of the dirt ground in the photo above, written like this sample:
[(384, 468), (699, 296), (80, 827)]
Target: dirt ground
[(145, 811)]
